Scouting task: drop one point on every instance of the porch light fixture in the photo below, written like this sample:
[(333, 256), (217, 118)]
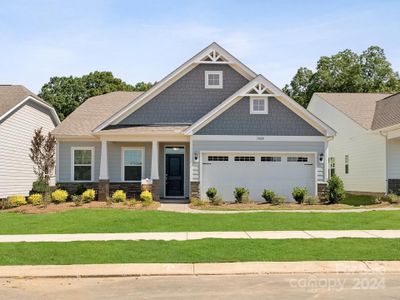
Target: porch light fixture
[(196, 156), (321, 157)]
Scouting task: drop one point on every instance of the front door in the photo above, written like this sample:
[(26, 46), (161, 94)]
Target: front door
[(174, 175)]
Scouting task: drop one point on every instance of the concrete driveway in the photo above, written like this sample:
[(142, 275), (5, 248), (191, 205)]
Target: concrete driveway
[(300, 286)]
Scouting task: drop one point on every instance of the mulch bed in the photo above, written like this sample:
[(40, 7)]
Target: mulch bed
[(30, 209)]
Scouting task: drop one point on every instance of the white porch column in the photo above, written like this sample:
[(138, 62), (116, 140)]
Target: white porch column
[(326, 161), (154, 160), (104, 161)]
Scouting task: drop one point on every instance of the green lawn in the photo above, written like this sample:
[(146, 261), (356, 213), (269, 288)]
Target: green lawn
[(114, 220), (358, 200), (207, 250)]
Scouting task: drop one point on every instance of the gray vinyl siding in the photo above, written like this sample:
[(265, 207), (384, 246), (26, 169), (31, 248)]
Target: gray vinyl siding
[(65, 159), (199, 146), (16, 132), (187, 100), (115, 159), (280, 120)]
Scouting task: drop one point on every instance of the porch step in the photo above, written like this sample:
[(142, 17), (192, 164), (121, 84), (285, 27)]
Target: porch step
[(174, 200)]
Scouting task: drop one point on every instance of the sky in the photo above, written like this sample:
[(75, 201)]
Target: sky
[(145, 40)]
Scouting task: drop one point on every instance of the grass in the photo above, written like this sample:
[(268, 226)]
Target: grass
[(359, 200), (207, 250), (114, 220)]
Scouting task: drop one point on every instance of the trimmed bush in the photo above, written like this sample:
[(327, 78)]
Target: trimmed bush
[(299, 193), (16, 200), (268, 195), (88, 195), (278, 200), (40, 187), (59, 196), (241, 195), (211, 193), (35, 199), (146, 196), (335, 190), (311, 200), (118, 196), (197, 202)]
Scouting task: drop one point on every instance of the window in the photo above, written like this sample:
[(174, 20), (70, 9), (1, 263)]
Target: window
[(271, 158), (297, 159), (346, 164), (213, 79), (82, 163), (258, 105), (331, 163), (132, 164), (245, 158), (218, 158)]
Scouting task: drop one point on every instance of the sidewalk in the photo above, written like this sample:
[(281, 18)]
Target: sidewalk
[(185, 236), (154, 269), (184, 208)]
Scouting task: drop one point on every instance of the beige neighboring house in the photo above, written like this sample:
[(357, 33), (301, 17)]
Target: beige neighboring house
[(21, 112), (366, 151)]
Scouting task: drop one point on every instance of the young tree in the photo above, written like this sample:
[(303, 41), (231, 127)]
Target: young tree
[(42, 153), (345, 72)]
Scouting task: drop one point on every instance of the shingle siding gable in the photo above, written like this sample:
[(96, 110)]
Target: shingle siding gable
[(280, 120), (187, 100)]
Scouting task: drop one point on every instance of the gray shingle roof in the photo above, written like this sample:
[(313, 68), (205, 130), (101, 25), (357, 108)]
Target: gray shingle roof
[(93, 112), (12, 95), (387, 112), (360, 107)]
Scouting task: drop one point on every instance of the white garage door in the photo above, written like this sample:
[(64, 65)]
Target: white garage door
[(256, 172)]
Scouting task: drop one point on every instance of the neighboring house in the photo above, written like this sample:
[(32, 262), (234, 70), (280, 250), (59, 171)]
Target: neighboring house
[(366, 151), (212, 122), (21, 112)]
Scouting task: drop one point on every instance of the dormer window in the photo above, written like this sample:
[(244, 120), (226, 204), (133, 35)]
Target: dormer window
[(259, 105), (213, 80)]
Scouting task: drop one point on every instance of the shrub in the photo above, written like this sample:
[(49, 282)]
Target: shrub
[(35, 199), (299, 193), (77, 199), (40, 187), (335, 190), (118, 196), (392, 198), (131, 202), (88, 195), (217, 200), (146, 196), (80, 189), (241, 194), (59, 196), (268, 195), (311, 200), (211, 193), (278, 200), (16, 200), (197, 202)]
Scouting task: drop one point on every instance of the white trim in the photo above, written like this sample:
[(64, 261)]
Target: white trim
[(173, 77), (248, 138), (258, 112), (281, 96), (52, 110), (165, 170), (220, 79), (57, 161), (123, 163), (154, 160), (92, 165)]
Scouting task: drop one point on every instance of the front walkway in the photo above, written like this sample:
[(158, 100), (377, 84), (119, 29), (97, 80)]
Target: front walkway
[(184, 208), (185, 236)]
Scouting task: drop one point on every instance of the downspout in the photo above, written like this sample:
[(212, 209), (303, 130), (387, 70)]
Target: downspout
[(387, 160)]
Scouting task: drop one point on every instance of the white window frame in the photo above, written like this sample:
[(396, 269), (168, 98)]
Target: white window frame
[(92, 165), (221, 79), (123, 149), (259, 112)]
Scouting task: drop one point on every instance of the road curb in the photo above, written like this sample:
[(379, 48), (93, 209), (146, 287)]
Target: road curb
[(237, 268)]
